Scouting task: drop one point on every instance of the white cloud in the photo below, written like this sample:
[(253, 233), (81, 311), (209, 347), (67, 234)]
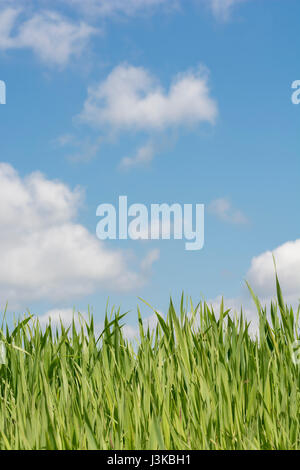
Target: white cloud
[(64, 316), (115, 8), (131, 99), (107, 8), (34, 203), (261, 274), (44, 253), (81, 150), (223, 209), (143, 155), (223, 8), (7, 20), (55, 38), (52, 37), (261, 277), (149, 259)]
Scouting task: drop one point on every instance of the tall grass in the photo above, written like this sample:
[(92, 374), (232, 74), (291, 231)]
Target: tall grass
[(199, 381)]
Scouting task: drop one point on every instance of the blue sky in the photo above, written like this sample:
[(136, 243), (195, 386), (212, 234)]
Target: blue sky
[(233, 147)]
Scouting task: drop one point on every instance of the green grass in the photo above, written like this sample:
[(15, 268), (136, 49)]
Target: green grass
[(199, 381)]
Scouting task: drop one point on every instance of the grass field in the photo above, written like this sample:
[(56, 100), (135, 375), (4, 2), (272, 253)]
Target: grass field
[(199, 381)]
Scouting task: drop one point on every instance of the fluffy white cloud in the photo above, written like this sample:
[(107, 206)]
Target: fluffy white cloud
[(53, 38), (44, 253), (262, 272), (261, 277), (131, 99), (223, 209)]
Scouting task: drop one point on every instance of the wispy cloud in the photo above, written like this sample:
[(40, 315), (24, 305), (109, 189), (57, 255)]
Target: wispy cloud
[(222, 208), (149, 259), (51, 36), (80, 150), (223, 8), (144, 155), (108, 8), (55, 37)]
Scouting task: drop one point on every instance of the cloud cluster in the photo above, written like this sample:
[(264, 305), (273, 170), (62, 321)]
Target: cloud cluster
[(52, 37), (56, 38), (44, 253)]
